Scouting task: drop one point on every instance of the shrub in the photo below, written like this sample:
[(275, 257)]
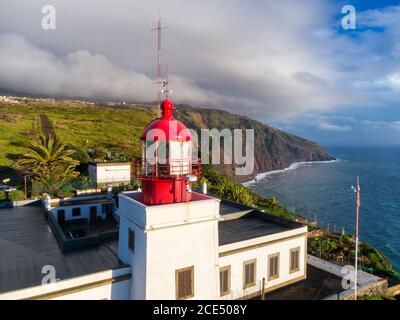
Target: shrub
[(15, 195)]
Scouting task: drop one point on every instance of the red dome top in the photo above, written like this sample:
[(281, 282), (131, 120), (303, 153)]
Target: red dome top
[(167, 127)]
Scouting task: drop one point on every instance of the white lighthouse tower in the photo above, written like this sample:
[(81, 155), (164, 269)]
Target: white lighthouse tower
[(168, 234)]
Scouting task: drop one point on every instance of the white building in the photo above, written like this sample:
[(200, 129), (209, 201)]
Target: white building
[(203, 249), (194, 250), (110, 173)]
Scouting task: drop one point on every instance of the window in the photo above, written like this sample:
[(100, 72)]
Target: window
[(76, 212), (273, 266), (61, 216), (249, 273), (131, 240), (184, 282), (294, 263), (93, 214), (225, 280)]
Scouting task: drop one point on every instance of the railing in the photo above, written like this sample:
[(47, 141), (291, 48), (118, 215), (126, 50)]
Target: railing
[(147, 169)]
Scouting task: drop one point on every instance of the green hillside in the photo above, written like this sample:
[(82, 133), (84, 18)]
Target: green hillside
[(100, 129), (85, 126)]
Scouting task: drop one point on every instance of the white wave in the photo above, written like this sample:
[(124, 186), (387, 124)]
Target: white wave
[(293, 166)]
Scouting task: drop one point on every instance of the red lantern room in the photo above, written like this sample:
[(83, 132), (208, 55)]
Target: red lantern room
[(167, 169)]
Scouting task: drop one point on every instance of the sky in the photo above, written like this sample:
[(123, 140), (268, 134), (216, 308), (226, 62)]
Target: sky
[(287, 63)]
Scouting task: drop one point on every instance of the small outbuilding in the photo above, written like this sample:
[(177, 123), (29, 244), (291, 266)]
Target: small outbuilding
[(110, 173)]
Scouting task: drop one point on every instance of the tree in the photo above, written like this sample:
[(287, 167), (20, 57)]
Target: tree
[(273, 203), (49, 161)]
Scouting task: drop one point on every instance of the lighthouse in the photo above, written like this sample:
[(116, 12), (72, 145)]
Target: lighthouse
[(168, 233), (166, 168)]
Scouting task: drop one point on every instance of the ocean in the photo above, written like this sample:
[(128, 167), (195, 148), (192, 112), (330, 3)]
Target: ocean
[(323, 191)]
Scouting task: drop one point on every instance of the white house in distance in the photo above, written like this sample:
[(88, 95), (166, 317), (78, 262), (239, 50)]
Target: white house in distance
[(110, 173)]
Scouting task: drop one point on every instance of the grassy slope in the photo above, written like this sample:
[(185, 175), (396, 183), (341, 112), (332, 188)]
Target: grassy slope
[(84, 126), (117, 129)]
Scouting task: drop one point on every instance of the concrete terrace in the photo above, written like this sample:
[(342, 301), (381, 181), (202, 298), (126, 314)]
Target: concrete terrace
[(27, 243)]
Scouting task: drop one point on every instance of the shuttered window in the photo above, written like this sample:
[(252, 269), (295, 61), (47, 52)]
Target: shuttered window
[(131, 240), (184, 282), (225, 280), (249, 273), (273, 266), (294, 260)]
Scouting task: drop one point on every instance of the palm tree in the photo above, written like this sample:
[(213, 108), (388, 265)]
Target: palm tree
[(273, 203), (49, 161)]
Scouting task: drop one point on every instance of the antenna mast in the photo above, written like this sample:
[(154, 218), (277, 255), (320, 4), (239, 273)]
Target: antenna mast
[(166, 84), (159, 28)]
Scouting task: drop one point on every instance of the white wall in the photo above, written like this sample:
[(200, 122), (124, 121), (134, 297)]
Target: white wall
[(261, 255), (136, 260), (85, 211), (110, 173), (167, 238), (81, 288), (171, 249)]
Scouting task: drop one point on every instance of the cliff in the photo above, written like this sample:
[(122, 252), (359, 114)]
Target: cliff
[(274, 148)]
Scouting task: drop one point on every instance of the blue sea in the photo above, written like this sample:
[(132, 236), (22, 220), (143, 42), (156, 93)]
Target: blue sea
[(323, 190)]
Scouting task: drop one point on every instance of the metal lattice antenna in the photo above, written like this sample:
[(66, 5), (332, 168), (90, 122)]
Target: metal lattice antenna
[(166, 84), (159, 28)]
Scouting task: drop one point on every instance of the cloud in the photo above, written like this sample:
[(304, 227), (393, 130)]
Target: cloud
[(380, 124), (27, 68), (265, 59), (333, 127)]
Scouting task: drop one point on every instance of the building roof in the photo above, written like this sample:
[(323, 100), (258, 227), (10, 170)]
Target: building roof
[(27, 244), (229, 210), (83, 201), (109, 163), (242, 225)]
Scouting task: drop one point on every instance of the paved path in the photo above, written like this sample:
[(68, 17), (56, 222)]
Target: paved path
[(46, 125)]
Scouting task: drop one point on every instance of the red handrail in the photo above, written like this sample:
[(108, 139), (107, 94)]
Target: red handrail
[(145, 169)]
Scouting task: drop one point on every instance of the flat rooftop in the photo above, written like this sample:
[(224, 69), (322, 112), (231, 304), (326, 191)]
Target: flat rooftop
[(251, 225), (27, 243), (239, 222), (318, 285), (70, 203), (230, 210), (137, 196)]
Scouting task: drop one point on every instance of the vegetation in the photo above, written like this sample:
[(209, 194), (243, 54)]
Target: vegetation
[(226, 188), (341, 249), (274, 149), (376, 298), (99, 131), (15, 195), (48, 160)]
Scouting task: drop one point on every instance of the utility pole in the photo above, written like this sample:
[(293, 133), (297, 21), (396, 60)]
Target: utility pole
[(357, 190), (263, 289), (25, 188)]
